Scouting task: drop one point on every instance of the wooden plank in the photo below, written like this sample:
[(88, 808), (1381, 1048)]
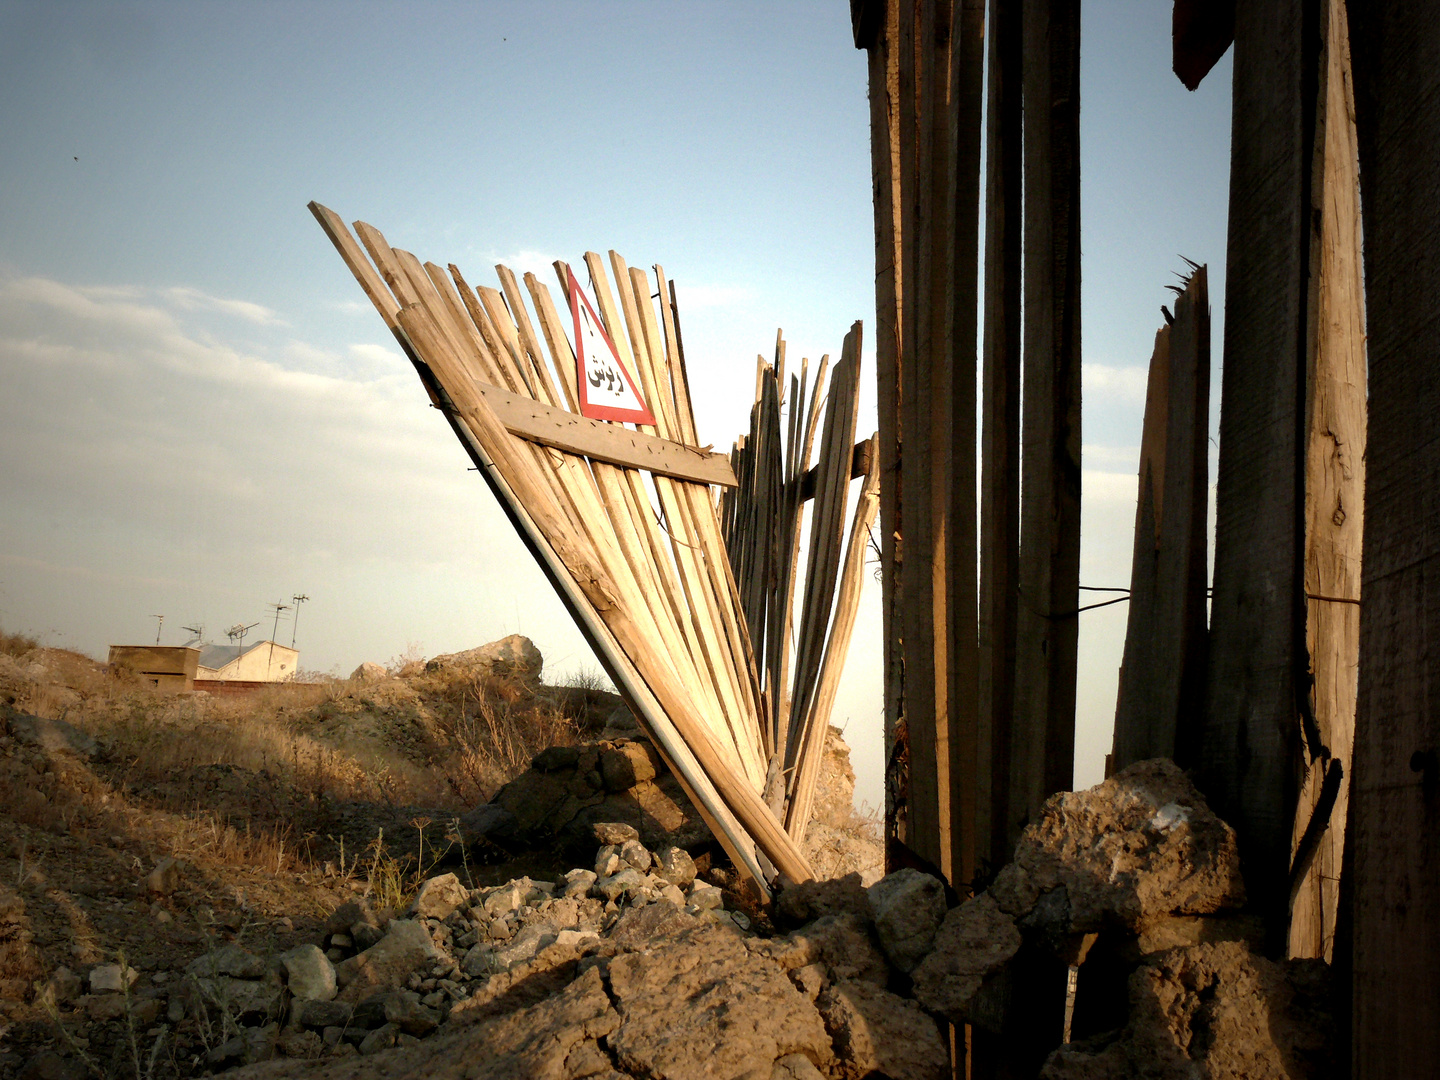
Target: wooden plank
[(1395, 784), (1250, 743), (967, 74), (538, 422), (1162, 680), (1334, 501), (860, 458), (1000, 432), (1043, 735)]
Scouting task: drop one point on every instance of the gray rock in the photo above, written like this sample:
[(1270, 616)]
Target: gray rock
[(364, 935), (524, 945), (673, 864), (479, 961), (974, 943), (1141, 845), (305, 1045), (229, 960), (410, 1015), (614, 833), (349, 914), (382, 1038), (877, 1033), (439, 896), (63, 985), (908, 908), (165, 878), (634, 853), (309, 974), (108, 978), (608, 861), (323, 1014), (616, 885), (515, 655), (405, 949), (368, 672), (490, 823), (706, 897)]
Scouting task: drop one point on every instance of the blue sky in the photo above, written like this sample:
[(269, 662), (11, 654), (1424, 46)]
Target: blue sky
[(200, 414)]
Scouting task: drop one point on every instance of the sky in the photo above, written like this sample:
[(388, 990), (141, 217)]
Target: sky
[(201, 415)]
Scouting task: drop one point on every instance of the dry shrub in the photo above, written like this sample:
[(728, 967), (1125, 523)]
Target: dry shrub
[(17, 645)]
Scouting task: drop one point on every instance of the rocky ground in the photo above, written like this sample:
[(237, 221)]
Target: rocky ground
[(578, 922)]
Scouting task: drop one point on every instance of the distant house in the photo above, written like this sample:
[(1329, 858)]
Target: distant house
[(170, 667), (264, 661)]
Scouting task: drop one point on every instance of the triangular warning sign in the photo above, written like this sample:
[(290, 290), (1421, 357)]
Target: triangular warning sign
[(607, 392)]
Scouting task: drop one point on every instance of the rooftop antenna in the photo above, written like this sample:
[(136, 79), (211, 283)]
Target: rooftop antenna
[(277, 607), (295, 626), (160, 621), (198, 630), (237, 634)]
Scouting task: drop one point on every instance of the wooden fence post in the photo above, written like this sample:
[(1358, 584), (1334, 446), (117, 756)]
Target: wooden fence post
[(1395, 785), (1162, 680), (1043, 734), (1249, 752)]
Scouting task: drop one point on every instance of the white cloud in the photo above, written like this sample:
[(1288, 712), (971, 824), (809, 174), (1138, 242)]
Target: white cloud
[(1119, 384), (195, 300)]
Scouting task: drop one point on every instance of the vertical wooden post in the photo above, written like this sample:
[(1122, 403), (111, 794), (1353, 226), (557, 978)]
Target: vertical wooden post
[(1162, 681), (1395, 785), (1334, 495), (1000, 455), (1043, 736), (876, 25), (1250, 740), (967, 75), (927, 187)]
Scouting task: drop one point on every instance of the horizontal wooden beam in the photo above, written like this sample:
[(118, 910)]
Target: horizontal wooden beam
[(603, 441), (859, 466)]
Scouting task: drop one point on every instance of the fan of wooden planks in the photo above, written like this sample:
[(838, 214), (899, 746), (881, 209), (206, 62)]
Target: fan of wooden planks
[(624, 523)]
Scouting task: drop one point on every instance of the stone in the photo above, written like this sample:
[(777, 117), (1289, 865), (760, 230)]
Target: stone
[(975, 941), (706, 897), (515, 655), (839, 851), (795, 1067), (165, 878), (349, 914), (638, 927), (810, 980), (439, 896), (488, 823), (370, 1013), (613, 833), (844, 944), (507, 898), (108, 978), (364, 935), (405, 948), (523, 946), (478, 961), (875, 1032), (300, 1044), (608, 861), (63, 985), (230, 960), (408, 1013), (616, 885), (797, 905), (674, 864), (908, 907), (1217, 1011), (309, 973), (382, 1038), (627, 763), (323, 1014), (242, 998), (701, 1004), (368, 672), (634, 853), (578, 883), (672, 893), (1140, 845)]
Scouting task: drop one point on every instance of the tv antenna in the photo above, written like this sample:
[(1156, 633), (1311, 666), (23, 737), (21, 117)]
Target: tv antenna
[(295, 626), (160, 621), (277, 607), (237, 634), (198, 630)]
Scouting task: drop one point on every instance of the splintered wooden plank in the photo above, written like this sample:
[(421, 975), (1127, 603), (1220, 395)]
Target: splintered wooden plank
[(1160, 707), (1042, 745), (1000, 432), (1251, 739), (1395, 789), (1334, 504), (860, 459), (538, 422)]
